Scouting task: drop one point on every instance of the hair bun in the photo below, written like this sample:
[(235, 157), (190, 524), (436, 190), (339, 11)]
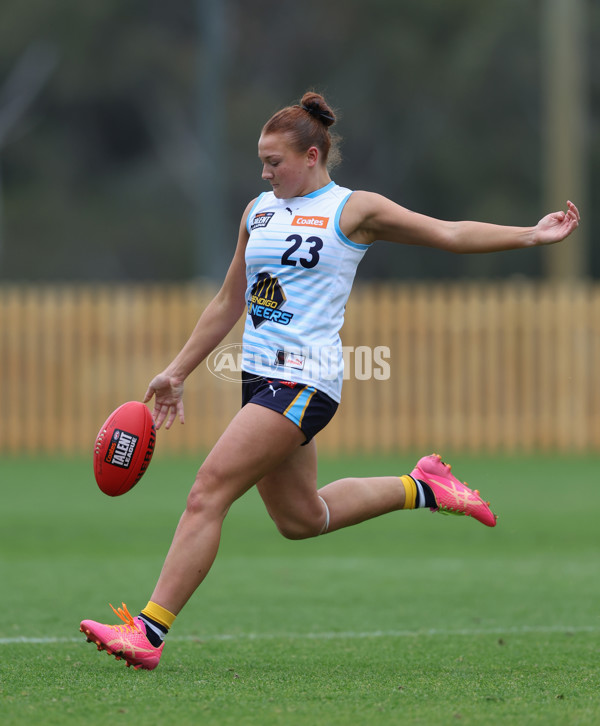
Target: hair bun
[(307, 124), (315, 105)]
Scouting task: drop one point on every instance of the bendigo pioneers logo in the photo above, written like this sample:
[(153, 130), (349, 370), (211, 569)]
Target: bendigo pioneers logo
[(120, 451), (266, 299)]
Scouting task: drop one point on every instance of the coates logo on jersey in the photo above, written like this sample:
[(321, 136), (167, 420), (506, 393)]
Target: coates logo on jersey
[(261, 220), (320, 222), (266, 300)]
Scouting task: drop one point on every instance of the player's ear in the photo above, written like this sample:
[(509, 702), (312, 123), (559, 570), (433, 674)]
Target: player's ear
[(312, 156)]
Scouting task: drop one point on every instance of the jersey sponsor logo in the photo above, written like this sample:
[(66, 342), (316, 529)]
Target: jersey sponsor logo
[(320, 222), (261, 220), (121, 449), (266, 300), (290, 360)]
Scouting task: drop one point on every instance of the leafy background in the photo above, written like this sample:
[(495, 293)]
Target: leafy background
[(107, 174)]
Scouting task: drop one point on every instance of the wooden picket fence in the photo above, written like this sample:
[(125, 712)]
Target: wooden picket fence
[(502, 367)]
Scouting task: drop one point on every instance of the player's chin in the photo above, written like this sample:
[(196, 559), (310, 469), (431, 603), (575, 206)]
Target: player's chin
[(277, 191)]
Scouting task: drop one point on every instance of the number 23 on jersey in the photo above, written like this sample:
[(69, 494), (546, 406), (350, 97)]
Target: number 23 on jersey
[(294, 254)]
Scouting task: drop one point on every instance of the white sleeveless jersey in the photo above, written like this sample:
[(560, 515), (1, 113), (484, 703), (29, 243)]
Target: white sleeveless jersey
[(300, 268)]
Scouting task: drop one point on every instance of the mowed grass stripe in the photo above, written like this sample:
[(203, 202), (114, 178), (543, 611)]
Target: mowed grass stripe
[(433, 632)]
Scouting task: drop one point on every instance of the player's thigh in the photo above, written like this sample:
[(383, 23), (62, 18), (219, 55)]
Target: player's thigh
[(289, 490), (256, 442)]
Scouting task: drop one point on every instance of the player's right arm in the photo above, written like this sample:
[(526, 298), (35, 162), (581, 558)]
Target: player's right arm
[(217, 319)]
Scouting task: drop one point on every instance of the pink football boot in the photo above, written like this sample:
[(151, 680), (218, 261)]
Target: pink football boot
[(451, 495), (126, 641)]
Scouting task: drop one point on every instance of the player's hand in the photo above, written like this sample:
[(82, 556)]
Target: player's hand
[(168, 399), (556, 226)]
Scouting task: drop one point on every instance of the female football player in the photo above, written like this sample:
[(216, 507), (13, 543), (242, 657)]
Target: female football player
[(298, 249)]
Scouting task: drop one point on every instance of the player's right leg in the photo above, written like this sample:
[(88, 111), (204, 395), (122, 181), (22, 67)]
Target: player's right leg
[(129, 640), (256, 441)]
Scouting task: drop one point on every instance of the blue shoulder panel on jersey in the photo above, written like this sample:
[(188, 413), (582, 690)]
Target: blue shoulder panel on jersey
[(341, 235)]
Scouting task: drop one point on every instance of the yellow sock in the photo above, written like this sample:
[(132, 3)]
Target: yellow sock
[(159, 614), (410, 489)]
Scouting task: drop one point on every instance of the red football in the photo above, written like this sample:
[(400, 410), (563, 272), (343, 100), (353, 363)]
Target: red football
[(124, 448)]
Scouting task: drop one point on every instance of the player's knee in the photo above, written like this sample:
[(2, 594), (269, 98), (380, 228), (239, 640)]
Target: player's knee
[(297, 529), (206, 496)]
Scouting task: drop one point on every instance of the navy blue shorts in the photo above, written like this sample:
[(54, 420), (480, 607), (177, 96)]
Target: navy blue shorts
[(310, 409)]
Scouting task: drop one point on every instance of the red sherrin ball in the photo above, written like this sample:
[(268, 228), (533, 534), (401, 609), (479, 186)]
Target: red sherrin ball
[(124, 448)]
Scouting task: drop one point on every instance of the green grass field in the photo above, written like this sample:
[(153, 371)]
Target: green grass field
[(413, 618)]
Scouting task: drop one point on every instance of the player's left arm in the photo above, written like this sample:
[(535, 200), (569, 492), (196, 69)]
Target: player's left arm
[(368, 217)]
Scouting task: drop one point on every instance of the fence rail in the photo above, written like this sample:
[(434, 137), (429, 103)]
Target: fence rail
[(495, 367)]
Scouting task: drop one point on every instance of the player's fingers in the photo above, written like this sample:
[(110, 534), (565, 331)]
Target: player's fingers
[(180, 411), (159, 415), (573, 211), (172, 415)]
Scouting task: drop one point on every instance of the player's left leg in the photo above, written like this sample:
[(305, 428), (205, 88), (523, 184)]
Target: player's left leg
[(300, 510), (289, 489)]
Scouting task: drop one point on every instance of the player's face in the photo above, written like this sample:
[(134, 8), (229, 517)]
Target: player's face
[(288, 171)]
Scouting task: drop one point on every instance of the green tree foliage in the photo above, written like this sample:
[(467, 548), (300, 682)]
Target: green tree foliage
[(439, 105)]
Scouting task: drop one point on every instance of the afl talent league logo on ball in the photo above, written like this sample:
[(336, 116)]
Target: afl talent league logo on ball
[(266, 300), (121, 449)]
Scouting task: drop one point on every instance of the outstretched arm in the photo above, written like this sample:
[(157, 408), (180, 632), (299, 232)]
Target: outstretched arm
[(218, 318), (368, 217)]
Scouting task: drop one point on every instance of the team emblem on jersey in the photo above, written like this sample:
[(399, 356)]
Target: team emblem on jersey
[(266, 300), (261, 220)]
